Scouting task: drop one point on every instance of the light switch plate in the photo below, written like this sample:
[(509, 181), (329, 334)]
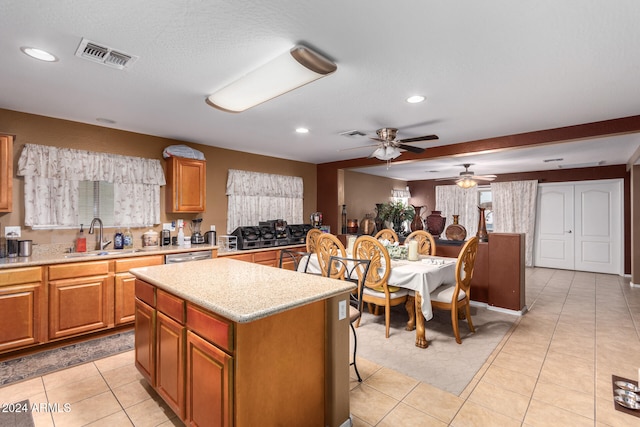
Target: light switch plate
[(342, 310), (9, 229)]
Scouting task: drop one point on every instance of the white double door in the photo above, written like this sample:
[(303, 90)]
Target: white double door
[(579, 226)]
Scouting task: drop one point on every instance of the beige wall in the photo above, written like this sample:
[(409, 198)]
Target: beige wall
[(362, 192), (32, 129), (635, 225)]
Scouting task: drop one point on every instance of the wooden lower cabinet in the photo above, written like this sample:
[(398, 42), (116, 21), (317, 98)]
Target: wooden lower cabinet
[(124, 292), (270, 257), (145, 327), (170, 339), (214, 372), (209, 379), (22, 308)]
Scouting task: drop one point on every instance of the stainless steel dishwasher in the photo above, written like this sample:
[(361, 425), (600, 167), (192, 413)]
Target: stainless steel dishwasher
[(186, 257)]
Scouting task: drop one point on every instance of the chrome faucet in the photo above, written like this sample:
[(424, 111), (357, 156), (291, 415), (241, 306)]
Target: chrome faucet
[(100, 243)]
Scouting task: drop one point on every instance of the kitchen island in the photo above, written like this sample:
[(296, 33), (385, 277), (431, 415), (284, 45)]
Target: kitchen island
[(227, 342)]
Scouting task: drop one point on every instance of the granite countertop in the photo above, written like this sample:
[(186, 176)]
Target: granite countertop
[(240, 291), (47, 258)]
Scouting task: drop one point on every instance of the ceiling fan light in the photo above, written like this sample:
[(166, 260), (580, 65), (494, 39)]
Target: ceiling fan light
[(386, 153), (286, 72), (466, 183)]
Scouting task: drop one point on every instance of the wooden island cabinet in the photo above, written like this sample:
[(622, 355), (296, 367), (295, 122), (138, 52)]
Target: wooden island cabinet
[(277, 355)]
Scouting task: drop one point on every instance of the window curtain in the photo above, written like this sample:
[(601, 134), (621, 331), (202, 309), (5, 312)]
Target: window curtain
[(51, 176), (514, 211), (255, 197), (454, 200)]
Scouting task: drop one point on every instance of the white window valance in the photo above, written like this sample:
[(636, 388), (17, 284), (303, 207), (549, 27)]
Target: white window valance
[(51, 176), (255, 197)]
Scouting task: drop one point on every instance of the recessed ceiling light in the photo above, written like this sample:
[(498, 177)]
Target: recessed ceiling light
[(38, 54), (415, 99), (302, 130)]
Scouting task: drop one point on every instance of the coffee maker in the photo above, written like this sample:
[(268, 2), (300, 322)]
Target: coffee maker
[(196, 235)]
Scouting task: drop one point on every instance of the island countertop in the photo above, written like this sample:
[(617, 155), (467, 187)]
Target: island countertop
[(238, 290)]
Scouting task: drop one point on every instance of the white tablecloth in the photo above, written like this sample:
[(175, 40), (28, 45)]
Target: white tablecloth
[(423, 276)]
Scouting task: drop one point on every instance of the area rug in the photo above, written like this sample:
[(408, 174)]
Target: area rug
[(445, 364), (16, 415), (35, 365)]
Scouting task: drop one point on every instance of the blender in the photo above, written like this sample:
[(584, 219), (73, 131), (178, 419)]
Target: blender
[(196, 235)]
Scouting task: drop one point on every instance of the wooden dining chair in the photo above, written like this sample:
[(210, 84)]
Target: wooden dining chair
[(426, 242), (328, 245), (312, 236), (387, 234), (376, 290), (356, 271), (456, 297), (291, 260)]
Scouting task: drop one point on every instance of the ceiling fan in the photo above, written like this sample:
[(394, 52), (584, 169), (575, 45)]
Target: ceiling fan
[(389, 147), (468, 179)]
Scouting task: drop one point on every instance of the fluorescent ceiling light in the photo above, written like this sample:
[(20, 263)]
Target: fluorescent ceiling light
[(38, 54), (282, 74), (386, 153), (415, 99)]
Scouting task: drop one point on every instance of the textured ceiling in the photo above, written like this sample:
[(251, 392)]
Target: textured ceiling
[(487, 68)]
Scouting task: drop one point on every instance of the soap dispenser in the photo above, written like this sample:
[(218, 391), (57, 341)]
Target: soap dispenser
[(81, 241)]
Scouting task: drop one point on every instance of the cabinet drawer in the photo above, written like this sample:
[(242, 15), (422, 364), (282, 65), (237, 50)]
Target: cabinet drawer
[(145, 292), (213, 328), (78, 269), (265, 256), (124, 265), (17, 276), (170, 305)]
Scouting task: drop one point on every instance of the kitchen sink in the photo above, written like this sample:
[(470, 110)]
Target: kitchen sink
[(102, 253)]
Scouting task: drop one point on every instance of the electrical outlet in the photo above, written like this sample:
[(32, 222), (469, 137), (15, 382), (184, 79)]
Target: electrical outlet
[(342, 309), (9, 229), (212, 228)]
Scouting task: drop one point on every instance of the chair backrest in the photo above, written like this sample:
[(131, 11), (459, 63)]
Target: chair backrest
[(367, 247), (293, 257), (464, 267), (356, 271), (387, 234), (312, 236), (426, 242), (328, 245)]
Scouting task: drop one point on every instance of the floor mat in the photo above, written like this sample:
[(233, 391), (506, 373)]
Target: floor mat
[(42, 363), (16, 414)]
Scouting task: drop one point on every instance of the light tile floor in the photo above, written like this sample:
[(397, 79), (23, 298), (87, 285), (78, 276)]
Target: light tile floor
[(552, 369)]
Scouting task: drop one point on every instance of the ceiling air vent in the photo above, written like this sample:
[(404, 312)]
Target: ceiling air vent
[(104, 55)]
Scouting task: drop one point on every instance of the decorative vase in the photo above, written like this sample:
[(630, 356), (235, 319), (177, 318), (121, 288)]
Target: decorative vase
[(435, 224), (368, 225), (378, 219), (456, 231), (417, 224), (482, 234), (344, 219)]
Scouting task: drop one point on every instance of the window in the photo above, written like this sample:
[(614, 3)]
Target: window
[(485, 201), (95, 200)]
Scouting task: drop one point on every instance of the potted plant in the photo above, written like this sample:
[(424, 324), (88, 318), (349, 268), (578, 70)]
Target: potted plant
[(396, 213)]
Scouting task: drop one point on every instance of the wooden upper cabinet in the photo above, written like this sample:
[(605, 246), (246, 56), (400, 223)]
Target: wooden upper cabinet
[(6, 173), (186, 185)]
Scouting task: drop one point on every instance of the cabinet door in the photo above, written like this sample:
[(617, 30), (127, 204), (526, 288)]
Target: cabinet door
[(170, 362), (125, 295), (79, 305), (20, 315), (6, 173), (186, 185), (145, 328), (209, 379)]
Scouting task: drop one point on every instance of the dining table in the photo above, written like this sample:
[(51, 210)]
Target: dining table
[(420, 277)]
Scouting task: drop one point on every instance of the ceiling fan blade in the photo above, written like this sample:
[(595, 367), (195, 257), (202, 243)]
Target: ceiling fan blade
[(358, 147), (451, 178), (484, 177), (411, 148), (418, 139)]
